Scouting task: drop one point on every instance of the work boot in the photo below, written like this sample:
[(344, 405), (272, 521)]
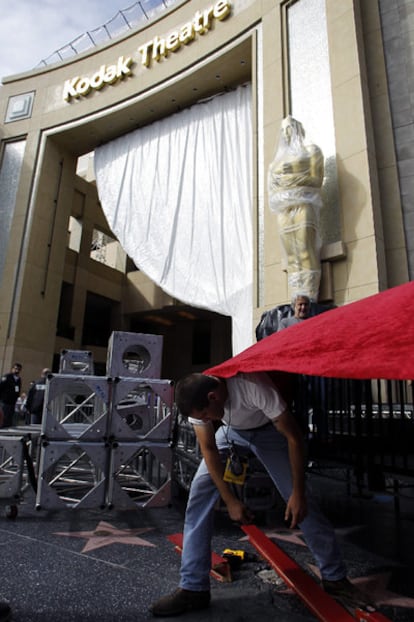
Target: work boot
[(348, 595), (179, 602), (5, 612)]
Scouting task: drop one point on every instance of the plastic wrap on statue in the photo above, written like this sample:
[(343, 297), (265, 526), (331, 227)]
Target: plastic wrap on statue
[(294, 184)]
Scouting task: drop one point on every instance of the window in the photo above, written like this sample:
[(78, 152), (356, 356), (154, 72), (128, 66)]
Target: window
[(107, 250), (74, 234), (201, 352), (64, 327), (311, 96), (11, 166), (98, 320)]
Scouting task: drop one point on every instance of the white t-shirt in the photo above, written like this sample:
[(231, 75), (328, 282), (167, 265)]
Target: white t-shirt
[(252, 402)]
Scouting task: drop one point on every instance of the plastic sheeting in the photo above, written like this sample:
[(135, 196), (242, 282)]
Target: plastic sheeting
[(295, 178), (178, 196)]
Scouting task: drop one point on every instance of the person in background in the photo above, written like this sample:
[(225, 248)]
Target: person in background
[(10, 388), (301, 311), (36, 397)]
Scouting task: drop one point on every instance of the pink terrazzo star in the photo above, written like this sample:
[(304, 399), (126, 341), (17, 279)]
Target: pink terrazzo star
[(105, 534), (294, 537), (375, 586)]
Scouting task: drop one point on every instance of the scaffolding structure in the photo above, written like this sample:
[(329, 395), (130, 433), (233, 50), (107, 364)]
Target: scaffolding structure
[(134, 16)]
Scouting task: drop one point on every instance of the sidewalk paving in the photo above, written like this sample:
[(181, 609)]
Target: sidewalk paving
[(109, 565)]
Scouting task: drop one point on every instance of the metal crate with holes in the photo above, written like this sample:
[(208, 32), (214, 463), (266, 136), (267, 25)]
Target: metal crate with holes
[(105, 442), (76, 407), (77, 362), (142, 408), (140, 475), (134, 355), (72, 475), (18, 457)]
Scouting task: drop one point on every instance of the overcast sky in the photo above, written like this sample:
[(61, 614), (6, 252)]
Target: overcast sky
[(31, 30)]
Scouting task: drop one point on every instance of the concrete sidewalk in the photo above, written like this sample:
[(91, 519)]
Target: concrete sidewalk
[(107, 565)]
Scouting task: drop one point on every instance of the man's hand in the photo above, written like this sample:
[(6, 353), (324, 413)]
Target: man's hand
[(239, 512), (296, 510), (236, 509)]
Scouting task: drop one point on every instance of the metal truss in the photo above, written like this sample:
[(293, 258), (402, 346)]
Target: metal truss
[(105, 442)]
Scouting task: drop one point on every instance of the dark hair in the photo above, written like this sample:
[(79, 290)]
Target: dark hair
[(18, 365), (191, 392)]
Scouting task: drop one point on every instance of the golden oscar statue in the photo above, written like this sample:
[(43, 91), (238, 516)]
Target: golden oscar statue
[(294, 183)]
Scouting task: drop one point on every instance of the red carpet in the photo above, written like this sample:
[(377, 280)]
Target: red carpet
[(370, 338)]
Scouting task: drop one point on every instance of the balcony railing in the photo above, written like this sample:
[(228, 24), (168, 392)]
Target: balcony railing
[(129, 18)]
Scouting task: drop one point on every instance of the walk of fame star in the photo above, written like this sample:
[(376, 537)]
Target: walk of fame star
[(284, 535), (374, 584), (294, 536), (105, 534)]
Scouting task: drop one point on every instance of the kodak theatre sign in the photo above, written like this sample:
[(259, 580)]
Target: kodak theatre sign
[(152, 50)]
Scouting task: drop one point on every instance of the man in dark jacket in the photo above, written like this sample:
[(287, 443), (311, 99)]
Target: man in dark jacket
[(36, 397), (10, 387)]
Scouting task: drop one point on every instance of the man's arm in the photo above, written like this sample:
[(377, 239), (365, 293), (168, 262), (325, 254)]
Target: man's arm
[(206, 439), (296, 508)]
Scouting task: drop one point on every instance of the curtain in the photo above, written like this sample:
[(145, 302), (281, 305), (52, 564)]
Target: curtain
[(178, 196)]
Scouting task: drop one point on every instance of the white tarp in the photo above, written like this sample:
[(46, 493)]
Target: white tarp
[(178, 196)]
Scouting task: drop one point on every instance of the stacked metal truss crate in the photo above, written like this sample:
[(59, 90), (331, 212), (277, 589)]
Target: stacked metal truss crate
[(19, 449), (76, 362), (11, 468), (106, 440)]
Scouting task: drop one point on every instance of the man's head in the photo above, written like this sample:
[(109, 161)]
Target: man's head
[(201, 397), (17, 368), (301, 306), (45, 372)]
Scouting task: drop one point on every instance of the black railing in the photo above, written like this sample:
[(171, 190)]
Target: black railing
[(367, 426), (370, 421)]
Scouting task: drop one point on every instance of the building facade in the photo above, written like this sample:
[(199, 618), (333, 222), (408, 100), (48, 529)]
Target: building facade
[(341, 67)]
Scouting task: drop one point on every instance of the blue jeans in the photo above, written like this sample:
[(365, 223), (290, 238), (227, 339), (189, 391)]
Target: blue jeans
[(270, 447)]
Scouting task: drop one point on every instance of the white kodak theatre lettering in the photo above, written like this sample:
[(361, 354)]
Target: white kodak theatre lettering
[(159, 47), (107, 74)]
